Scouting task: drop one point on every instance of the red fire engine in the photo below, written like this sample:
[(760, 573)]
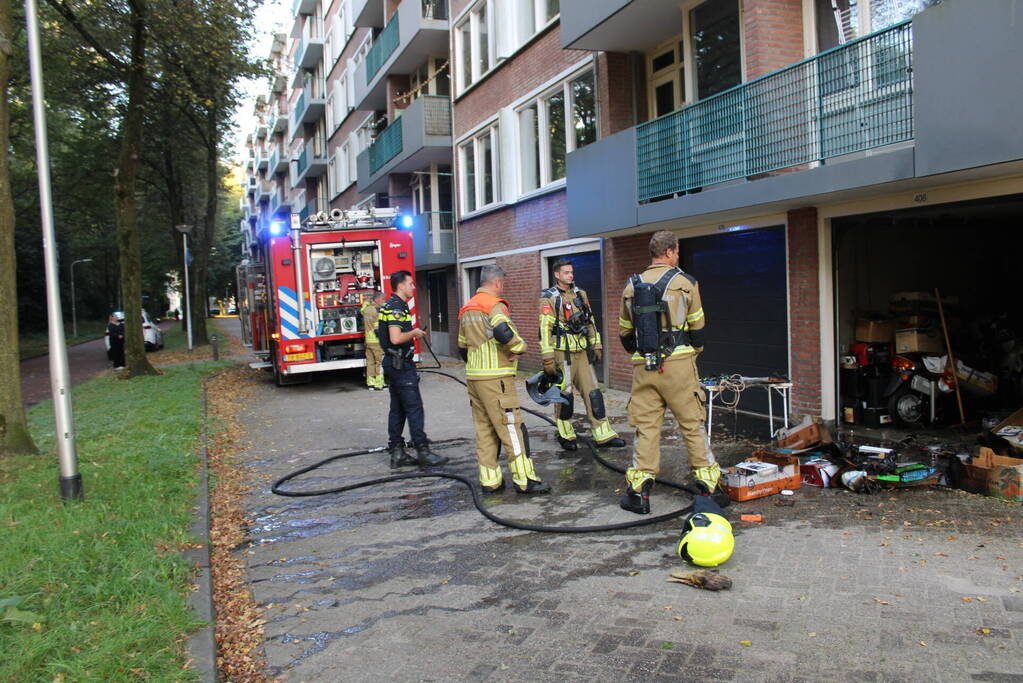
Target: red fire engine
[(331, 263)]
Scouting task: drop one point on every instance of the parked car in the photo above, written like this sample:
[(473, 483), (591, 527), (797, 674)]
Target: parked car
[(152, 335)]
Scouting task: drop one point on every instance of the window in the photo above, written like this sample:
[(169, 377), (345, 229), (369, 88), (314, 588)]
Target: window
[(475, 44), (840, 21), (714, 31), (556, 123), (477, 161), (339, 106)]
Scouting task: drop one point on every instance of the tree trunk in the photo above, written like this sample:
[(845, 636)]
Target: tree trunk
[(205, 243), (125, 202), (14, 435)]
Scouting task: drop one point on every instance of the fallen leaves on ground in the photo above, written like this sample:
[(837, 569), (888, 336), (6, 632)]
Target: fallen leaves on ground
[(239, 622)]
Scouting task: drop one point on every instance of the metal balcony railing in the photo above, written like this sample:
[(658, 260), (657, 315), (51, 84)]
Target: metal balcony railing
[(385, 147), (385, 44), (437, 111), (852, 98)]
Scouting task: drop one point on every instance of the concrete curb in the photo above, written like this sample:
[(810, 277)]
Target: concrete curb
[(202, 646)]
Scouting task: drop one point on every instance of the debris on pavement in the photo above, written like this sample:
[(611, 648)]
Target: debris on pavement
[(703, 578)]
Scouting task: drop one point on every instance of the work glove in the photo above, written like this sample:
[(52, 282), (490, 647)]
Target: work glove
[(550, 367), (597, 355)]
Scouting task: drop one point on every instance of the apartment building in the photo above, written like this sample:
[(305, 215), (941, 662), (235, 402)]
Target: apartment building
[(814, 157)]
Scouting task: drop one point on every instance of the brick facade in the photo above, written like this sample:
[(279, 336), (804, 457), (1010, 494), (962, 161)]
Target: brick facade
[(804, 312), (623, 257), (531, 222), (773, 35), (537, 63), (615, 87)]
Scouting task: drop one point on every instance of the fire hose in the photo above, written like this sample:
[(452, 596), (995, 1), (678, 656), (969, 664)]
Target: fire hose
[(474, 491)]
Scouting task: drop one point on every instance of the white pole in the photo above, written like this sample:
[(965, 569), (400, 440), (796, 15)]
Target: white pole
[(70, 477), (188, 297)]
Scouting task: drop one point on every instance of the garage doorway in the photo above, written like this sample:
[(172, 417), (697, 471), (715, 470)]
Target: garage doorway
[(743, 285), (887, 267)]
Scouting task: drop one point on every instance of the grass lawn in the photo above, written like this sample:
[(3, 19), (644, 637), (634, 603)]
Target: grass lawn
[(97, 591), (31, 344)]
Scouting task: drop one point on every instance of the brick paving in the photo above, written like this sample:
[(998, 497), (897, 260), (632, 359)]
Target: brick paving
[(408, 582)]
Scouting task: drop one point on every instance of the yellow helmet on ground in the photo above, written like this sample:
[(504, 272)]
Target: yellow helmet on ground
[(706, 540)]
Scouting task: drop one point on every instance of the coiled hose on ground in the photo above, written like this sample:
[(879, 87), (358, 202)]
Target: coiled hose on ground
[(474, 491)]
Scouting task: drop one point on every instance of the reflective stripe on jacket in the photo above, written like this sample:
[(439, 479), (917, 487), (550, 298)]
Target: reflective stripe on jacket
[(487, 358)]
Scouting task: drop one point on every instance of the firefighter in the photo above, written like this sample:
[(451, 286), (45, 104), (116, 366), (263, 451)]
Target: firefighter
[(662, 326), (374, 354), (491, 348), (569, 338), (397, 336)]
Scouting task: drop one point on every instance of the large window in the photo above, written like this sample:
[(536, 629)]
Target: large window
[(475, 44), (477, 162), (839, 21), (551, 126)]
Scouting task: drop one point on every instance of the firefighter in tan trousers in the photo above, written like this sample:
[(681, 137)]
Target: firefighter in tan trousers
[(568, 340), (374, 354), (661, 323), (491, 347)]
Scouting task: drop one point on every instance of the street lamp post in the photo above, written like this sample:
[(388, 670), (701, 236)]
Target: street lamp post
[(185, 229), (60, 380), (74, 313)]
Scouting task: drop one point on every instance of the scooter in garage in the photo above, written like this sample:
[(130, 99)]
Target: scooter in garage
[(915, 389)]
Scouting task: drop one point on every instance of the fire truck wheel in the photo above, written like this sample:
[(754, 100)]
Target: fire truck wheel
[(282, 380)]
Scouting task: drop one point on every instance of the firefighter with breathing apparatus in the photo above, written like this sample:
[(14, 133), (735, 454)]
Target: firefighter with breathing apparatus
[(490, 347), (661, 324), (374, 353), (570, 342)]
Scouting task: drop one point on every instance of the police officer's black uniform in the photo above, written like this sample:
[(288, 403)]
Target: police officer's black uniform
[(406, 402)]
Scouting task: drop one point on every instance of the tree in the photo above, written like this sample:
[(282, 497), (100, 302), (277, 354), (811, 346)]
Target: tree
[(131, 64), (14, 435)]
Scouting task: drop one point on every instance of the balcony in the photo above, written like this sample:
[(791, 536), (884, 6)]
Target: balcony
[(262, 160), (303, 7), (279, 200), (417, 138), (279, 83), (310, 106), (278, 161), (265, 190), (618, 25), (433, 237), (417, 30), (251, 186), (261, 130), (368, 13), (279, 116), (310, 44), (888, 112), (311, 161), (298, 203)]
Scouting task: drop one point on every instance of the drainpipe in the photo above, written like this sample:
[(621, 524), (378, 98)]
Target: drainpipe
[(296, 256)]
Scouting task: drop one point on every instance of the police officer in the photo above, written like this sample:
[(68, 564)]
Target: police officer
[(664, 333), (396, 336), (491, 347), (374, 353), (569, 339)]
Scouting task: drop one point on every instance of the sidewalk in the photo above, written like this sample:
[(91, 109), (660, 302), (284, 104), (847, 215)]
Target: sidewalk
[(409, 582)]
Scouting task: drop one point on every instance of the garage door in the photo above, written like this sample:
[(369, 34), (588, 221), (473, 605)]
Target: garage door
[(742, 278)]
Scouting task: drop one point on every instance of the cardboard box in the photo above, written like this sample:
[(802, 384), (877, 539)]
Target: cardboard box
[(919, 340), (875, 330), (975, 382), (818, 472), (741, 486), (994, 475), (1010, 436)]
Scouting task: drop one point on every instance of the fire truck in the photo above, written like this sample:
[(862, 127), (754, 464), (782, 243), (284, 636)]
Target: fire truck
[(302, 295)]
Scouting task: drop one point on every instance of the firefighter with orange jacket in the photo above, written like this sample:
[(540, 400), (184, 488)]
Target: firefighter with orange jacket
[(491, 347)]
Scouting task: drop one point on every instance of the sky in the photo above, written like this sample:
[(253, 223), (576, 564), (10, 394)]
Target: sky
[(273, 17)]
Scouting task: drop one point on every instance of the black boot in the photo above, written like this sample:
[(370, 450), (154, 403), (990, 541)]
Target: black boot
[(399, 458), (614, 442), (637, 501), (533, 486), (425, 458), (568, 444), (493, 489), (700, 488)]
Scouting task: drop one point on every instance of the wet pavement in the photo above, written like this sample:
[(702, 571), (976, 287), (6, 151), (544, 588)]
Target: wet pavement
[(406, 581)]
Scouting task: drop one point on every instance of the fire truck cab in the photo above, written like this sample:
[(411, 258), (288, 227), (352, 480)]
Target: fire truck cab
[(302, 301)]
